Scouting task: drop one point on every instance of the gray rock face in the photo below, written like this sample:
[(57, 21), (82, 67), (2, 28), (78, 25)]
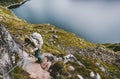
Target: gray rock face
[(7, 47), (71, 68)]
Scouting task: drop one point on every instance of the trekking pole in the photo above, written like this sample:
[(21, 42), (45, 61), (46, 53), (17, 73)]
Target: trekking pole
[(22, 56)]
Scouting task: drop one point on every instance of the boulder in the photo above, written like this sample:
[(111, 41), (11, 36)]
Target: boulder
[(71, 68), (55, 36), (79, 76)]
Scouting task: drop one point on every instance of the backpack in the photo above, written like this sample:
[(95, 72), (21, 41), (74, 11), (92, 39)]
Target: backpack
[(37, 39)]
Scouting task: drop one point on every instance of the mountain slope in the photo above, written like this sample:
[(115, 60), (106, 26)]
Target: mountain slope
[(86, 57), (9, 2), (9, 49), (115, 47)]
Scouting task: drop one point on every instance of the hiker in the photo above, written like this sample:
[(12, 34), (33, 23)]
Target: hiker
[(36, 42)]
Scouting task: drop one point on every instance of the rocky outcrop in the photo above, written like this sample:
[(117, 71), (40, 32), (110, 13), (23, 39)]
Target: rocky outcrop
[(34, 69), (99, 52), (8, 49), (17, 4)]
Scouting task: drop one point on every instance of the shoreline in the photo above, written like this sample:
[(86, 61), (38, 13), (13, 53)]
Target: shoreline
[(16, 4)]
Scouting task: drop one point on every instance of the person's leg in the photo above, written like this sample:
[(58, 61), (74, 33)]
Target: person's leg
[(37, 55), (39, 59)]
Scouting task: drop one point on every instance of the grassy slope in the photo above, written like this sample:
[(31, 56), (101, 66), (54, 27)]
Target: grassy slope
[(20, 28), (9, 2), (115, 47)]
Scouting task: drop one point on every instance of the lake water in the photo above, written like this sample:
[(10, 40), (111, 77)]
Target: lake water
[(97, 21)]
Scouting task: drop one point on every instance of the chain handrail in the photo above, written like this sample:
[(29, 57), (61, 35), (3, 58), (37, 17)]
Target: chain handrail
[(19, 63)]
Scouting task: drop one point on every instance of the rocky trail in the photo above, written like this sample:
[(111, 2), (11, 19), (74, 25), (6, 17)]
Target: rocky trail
[(34, 69), (98, 63), (8, 50)]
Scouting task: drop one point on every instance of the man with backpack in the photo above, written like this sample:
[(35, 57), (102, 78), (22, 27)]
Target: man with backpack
[(36, 42)]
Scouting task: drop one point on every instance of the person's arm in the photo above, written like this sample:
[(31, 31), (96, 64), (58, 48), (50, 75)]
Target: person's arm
[(27, 41), (34, 42), (34, 50)]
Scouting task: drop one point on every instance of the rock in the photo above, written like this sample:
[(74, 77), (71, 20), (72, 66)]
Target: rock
[(34, 69), (72, 58), (45, 31), (80, 63), (92, 74), (13, 59), (48, 24), (98, 64), (80, 77), (98, 76), (50, 57), (58, 46), (8, 47), (51, 43), (55, 36), (51, 40), (52, 29), (69, 57), (71, 68), (81, 43), (117, 62), (102, 68), (80, 52)]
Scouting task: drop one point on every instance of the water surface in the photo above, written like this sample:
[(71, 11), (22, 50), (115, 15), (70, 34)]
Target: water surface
[(97, 21)]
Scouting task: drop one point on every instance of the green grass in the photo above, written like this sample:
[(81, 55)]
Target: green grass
[(9, 2), (115, 47), (19, 73), (20, 28), (90, 65), (56, 46)]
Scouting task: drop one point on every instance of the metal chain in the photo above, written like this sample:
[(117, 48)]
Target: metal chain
[(19, 63), (13, 68)]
